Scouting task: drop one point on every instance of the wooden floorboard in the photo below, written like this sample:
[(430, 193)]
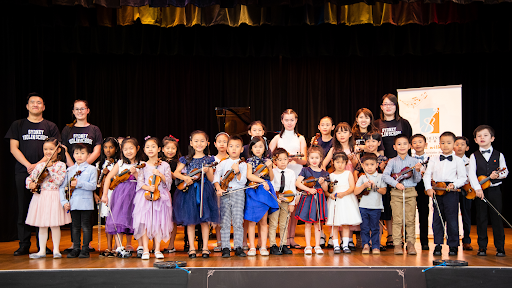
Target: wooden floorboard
[(424, 258)]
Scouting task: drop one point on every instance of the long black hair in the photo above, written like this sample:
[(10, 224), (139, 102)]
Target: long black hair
[(191, 151), (116, 155)]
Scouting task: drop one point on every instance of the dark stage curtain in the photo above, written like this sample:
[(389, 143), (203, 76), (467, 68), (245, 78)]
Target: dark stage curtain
[(148, 91)]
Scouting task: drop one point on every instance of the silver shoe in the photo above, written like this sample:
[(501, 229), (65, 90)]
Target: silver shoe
[(57, 256), (36, 256)]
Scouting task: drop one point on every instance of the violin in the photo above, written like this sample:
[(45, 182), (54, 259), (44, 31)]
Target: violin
[(441, 188), (228, 177), (331, 186), (154, 180), (261, 171), (484, 182), (287, 196), (406, 173), (310, 182), (314, 141), (101, 179), (195, 174), (43, 174), (70, 188), (123, 176), (297, 155)]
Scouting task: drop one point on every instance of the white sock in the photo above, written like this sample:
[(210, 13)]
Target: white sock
[(345, 241), (336, 242)]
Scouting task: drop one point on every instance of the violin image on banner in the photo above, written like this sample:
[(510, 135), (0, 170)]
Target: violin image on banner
[(261, 171), (229, 176), (441, 188), (195, 174), (406, 173), (43, 174), (123, 176), (154, 180), (101, 179), (484, 182)]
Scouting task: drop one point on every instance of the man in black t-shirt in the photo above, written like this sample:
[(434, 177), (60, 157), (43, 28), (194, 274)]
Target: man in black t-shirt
[(27, 136)]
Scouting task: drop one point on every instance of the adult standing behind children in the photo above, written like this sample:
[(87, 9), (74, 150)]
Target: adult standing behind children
[(390, 125), (27, 137)]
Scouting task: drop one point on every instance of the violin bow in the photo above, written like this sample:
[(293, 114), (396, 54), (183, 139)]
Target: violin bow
[(318, 211), (285, 233), (492, 206), (202, 187), (120, 248), (240, 189), (439, 213)]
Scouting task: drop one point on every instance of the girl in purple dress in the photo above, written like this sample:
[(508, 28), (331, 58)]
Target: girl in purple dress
[(121, 199), (152, 216)]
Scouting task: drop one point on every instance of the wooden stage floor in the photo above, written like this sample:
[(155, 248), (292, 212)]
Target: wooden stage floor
[(329, 259)]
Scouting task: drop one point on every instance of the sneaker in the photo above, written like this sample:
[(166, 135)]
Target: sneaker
[(84, 253), (251, 252), (500, 252), (337, 250), (437, 250), (140, 251), (346, 250), (376, 251), (453, 251), (308, 251), (74, 253), (286, 250), (264, 251), (226, 253), (411, 250), (319, 251), (351, 246), (330, 244), (366, 249), (481, 252), (398, 250), (240, 252), (274, 250)]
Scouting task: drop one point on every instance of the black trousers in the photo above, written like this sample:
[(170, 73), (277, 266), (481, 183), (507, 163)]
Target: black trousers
[(81, 220), (423, 211), (465, 210), (484, 212), (449, 206), (24, 197)]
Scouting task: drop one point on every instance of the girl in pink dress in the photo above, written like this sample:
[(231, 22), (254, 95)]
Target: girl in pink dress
[(45, 209)]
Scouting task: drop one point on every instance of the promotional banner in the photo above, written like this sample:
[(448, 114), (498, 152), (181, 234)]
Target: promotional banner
[(432, 111)]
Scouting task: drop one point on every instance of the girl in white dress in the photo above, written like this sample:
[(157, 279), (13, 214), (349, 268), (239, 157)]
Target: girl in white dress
[(342, 206)]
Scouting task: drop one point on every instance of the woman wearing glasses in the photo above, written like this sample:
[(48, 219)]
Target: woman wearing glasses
[(390, 124)]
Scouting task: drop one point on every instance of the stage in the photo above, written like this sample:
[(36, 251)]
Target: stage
[(349, 270)]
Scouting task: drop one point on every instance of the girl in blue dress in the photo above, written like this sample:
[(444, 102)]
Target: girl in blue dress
[(311, 206), (187, 203), (261, 200)]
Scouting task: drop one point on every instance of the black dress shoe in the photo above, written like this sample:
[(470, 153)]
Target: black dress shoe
[(240, 252), (437, 250), (226, 253), (500, 253), (453, 251), (25, 250), (286, 250), (84, 253), (425, 247), (67, 250), (90, 249), (481, 252), (274, 250), (74, 253)]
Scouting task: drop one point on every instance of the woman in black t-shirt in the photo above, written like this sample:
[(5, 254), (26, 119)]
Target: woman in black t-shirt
[(81, 131)]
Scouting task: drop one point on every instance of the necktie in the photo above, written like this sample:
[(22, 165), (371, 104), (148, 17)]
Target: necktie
[(281, 189), (442, 157), (486, 151)]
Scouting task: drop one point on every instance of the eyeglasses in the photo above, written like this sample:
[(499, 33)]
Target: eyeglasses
[(80, 109), (388, 104)]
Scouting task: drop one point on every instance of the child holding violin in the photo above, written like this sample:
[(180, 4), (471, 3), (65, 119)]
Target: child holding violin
[(449, 173), (342, 206), (487, 161), (221, 143), (110, 154), (311, 208), (256, 128), (363, 124), (461, 147), (123, 182), (231, 176), (418, 143), (403, 193), (76, 195), (324, 139), (171, 154), (260, 199), (152, 214), (284, 178), (45, 210), (196, 202), (372, 187)]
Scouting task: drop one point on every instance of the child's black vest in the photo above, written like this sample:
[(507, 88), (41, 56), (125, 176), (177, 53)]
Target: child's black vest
[(485, 168)]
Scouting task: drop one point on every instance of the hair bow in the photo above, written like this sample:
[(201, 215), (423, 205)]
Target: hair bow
[(177, 140), (146, 138)]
